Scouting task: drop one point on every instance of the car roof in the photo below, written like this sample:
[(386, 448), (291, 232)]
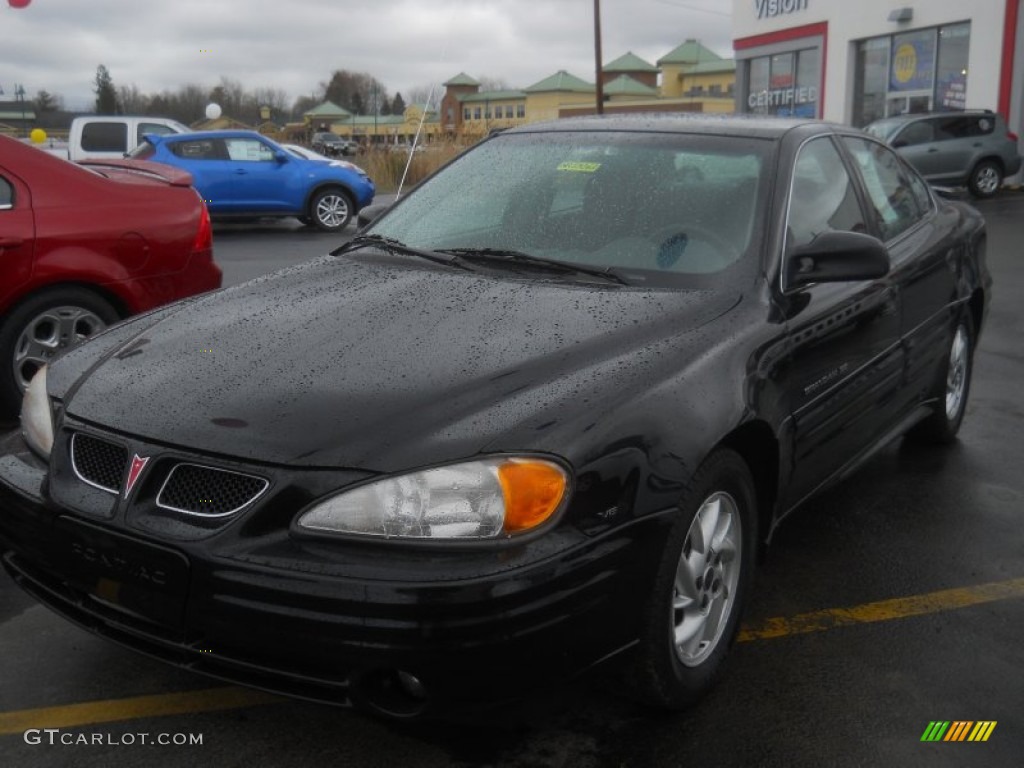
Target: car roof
[(224, 134), (911, 117), (751, 126)]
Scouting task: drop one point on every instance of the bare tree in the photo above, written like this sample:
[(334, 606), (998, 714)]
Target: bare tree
[(131, 100), (48, 102)]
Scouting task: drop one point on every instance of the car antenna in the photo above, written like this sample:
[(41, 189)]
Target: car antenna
[(415, 140)]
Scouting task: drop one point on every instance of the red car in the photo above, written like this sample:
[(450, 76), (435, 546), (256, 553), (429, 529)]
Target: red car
[(84, 247)]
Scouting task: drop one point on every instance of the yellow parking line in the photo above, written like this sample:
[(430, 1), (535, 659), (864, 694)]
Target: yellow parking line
[(883, 610), (92, 712), (212, 699)]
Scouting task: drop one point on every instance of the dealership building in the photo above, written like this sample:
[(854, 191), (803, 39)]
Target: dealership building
[(854, 62)]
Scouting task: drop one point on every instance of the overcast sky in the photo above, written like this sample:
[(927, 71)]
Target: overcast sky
[(56, 45)]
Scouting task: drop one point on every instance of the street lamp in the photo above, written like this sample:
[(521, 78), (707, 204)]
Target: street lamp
[(19, 96)]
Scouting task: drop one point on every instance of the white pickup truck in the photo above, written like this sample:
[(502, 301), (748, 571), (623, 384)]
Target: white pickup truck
[(111, 136)]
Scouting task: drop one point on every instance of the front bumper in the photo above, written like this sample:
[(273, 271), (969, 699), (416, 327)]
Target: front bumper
[(334, 622)]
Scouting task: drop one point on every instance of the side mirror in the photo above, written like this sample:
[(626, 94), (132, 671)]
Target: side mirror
[(899, 143), (281, 156), (837, 257), (371, 213)]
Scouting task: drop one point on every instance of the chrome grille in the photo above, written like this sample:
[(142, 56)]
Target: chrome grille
[(97, 462), (198, 490)]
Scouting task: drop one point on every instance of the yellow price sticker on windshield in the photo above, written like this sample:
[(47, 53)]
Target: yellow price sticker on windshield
[(579, 167)]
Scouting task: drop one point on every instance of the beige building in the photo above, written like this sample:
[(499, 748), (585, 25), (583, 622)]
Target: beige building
[(692, 79)]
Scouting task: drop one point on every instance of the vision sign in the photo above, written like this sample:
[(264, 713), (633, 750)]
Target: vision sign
[(767, 9)]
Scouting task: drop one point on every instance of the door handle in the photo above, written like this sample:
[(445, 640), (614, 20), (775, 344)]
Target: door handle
[(10, 242)]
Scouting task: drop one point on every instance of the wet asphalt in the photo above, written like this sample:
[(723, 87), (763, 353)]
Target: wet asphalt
[(913, 521)]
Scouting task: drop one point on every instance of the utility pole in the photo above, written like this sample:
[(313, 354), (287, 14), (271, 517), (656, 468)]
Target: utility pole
[(597, 56)]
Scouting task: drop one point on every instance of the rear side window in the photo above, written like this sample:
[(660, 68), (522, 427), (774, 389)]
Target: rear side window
[(953, 128), (981, 126), (897, 206), (6, 195), (201, 149), (105, 137)]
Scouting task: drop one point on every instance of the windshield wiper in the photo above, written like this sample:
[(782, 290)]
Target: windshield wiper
[(391, 245), (552, 265)]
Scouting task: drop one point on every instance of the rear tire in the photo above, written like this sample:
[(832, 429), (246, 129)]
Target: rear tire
[(39, 329), (951, 388), (694, 609), (986, 179)]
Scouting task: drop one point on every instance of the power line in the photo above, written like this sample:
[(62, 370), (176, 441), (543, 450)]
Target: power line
[(695, 8)]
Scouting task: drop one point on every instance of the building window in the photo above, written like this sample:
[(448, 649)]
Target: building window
[(509, 112), (487, 113), (785, 83), (465, 113), (520, 110), (916, 71), (715, 90), (476, 113)]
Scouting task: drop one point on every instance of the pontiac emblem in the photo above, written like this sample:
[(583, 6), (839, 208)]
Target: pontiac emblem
[(134, 472)]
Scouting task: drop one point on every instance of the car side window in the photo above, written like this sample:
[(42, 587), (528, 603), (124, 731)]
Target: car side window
[(6, 195), (822, 197), (200, 149), (105, 137), (920, 132), (895, 203), (920, 190), (981, 126), (249, 151), (952, 128)]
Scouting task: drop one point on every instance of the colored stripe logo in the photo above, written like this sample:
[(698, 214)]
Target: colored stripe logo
[(958, 730)]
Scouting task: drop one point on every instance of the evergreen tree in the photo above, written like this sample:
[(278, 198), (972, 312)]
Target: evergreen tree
[(398, 105), (106, 94)]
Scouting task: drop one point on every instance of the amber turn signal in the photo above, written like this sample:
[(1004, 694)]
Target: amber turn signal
[(533, 489)]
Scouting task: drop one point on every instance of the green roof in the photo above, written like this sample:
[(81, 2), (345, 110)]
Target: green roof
[(462, 79), (493, 96), (561, 81), (327, 109), (707, 67), (383, 120), (624, 85), (629, 62), (690, 52)]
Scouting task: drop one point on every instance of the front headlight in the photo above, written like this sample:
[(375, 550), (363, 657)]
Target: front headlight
[(37, 416), (484, 499)]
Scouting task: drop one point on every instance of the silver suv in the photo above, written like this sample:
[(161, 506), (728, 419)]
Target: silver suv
[(972, 148)]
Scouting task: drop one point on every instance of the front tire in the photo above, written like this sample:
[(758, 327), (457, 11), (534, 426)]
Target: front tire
[(986, 179), (694, 609), (41, 328), (951, 388), (331, 210)]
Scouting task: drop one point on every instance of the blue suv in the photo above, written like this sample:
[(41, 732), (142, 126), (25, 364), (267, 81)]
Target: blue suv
[(244, 174)]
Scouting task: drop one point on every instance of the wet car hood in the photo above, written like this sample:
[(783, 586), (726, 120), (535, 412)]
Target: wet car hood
[(378, 364)]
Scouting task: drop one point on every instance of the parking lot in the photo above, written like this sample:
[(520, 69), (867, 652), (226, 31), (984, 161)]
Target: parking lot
[(890, 602)]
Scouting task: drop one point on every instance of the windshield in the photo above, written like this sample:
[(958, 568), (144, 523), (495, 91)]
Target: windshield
[(637, 203), (883, 129)]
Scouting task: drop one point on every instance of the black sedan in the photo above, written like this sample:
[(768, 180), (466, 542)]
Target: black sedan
[(543, 412)]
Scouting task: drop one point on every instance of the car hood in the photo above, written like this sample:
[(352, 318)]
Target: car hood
[(380, 363)]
